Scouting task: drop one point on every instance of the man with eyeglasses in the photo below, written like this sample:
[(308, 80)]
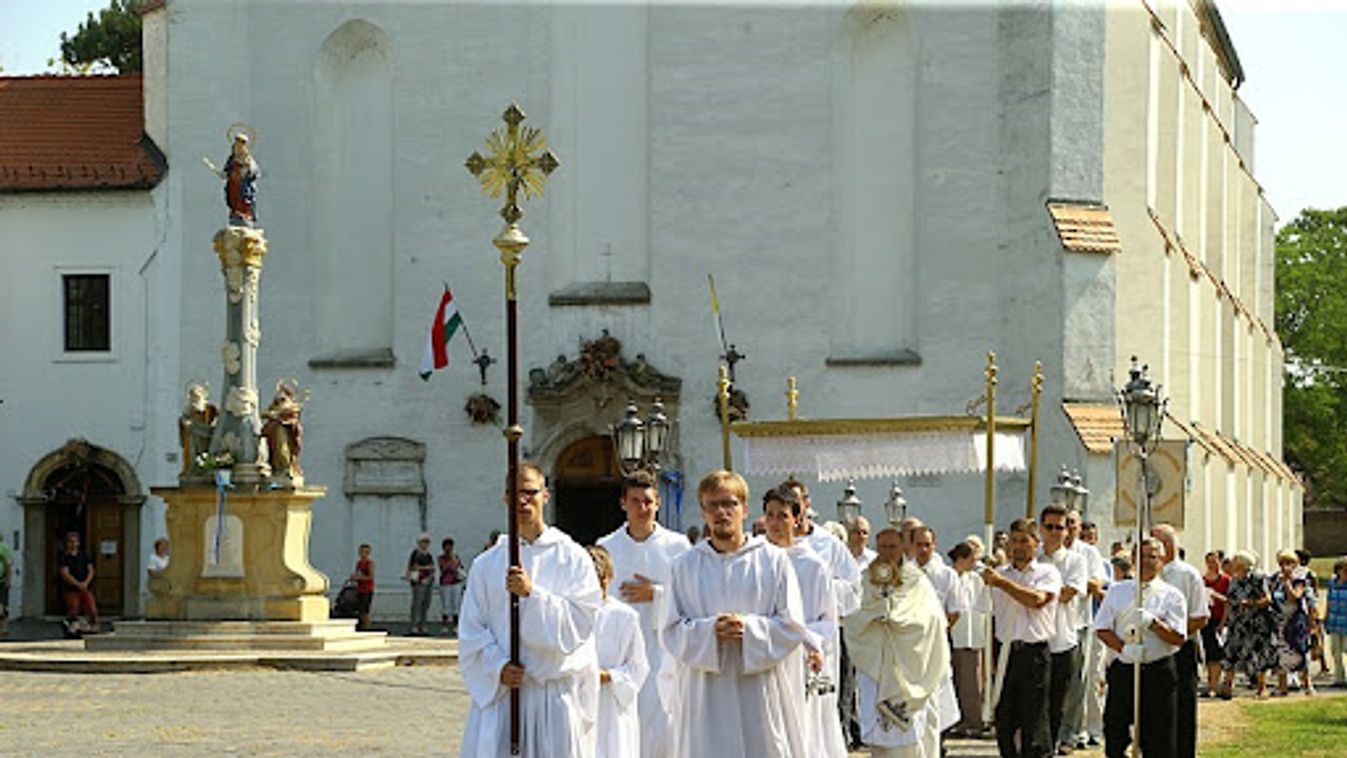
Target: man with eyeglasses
[(736, 629), (1064, 645), (558, 674)]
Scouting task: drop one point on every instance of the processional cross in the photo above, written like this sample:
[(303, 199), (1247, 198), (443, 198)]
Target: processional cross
[(517, 160)]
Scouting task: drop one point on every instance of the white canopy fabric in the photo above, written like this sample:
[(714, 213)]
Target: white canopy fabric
[(834, 457)]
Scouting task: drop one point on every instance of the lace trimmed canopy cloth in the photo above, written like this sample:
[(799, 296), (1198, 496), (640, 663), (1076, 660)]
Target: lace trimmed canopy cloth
[(841, 449)]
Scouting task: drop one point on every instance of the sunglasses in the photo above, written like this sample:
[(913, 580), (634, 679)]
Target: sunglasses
[(1055, 527)]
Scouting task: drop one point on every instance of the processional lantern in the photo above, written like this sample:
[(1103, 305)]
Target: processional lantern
[(895, 508), (849, 507), (1063, 490), (1141, 406), (641, 444), (1082, 493)]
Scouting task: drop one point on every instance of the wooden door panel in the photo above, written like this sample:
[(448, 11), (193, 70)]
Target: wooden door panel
[(107, 546)]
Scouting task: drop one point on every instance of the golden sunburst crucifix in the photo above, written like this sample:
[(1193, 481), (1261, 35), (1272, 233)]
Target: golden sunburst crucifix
[(517, 159)]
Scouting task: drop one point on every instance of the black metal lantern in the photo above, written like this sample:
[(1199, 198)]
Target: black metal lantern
[(656, 430), (629, 436), (1142, 406)]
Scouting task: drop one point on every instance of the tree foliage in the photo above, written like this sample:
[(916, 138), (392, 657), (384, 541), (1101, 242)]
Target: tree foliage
[(111, 41), (1312, 323)]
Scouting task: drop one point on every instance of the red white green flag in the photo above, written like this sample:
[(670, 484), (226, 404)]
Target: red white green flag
[(447, 321)]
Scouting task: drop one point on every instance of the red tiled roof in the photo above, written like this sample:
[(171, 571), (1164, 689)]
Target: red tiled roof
[(1097, 425), (60, 133)]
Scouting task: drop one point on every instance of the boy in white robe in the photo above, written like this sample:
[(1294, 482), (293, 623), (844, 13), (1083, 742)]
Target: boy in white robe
[(643, 553), (622, 668), (557, 677), (736, 629), (898, 643), (823, 728)]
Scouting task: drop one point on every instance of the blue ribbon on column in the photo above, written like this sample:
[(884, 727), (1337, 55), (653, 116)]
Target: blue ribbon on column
[(671, 492), (222, 484)]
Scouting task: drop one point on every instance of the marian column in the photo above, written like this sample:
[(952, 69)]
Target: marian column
[(241, 250)]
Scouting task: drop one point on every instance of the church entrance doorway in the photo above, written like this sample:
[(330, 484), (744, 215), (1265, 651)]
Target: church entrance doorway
[(87, 502), (586, 488)]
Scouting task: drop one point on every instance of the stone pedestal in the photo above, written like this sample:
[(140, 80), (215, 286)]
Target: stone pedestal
[(262, 572)]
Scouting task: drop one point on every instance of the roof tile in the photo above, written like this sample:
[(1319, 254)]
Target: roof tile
[(61, 133), (1085, 228), (1097, 425)]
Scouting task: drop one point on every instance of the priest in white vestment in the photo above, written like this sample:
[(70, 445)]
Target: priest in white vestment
[(897, 641), (822, 727), (736, 630), (558, 678), (622, 668), (643, 553)]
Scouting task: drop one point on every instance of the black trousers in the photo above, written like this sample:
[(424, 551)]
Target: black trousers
[(1023, 706), (1065, 668), (1157, 709), (847, 703), (1185, 706)]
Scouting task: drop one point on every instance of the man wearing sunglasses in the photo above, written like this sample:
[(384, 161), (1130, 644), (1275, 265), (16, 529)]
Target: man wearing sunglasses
[(1064, 645)]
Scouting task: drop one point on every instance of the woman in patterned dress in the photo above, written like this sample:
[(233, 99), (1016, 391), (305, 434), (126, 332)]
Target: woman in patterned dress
[(1293, 600), (1251, 629)]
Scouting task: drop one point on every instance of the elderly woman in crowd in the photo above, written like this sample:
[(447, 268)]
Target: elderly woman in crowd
[(1293, 602), (1250, 628), (1213, 637)]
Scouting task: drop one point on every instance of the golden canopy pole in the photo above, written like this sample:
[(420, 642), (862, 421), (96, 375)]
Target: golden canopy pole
[(1035, 390), (518, 159), (989, 525), (723, 398)]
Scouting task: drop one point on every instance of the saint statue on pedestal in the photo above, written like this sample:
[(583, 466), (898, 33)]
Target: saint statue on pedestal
[(196, 425), (283, 430), (240, 175)]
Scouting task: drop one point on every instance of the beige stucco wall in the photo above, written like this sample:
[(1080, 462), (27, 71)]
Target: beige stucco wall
[(1186, 184)]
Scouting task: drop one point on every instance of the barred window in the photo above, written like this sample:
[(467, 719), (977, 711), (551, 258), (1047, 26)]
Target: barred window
[(87, 305)]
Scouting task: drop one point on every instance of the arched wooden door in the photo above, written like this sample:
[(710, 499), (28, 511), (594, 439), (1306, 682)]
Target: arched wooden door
[(87, 500), (586, 487)]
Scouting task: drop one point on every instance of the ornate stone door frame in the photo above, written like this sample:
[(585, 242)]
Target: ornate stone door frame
[(36, 497), (582, 397)]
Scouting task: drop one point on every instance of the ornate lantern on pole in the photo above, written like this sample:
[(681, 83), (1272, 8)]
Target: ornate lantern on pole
[(642, 444), (1062, 490), (849, 507), (1143, 413), (1082, 493), (895, 508)]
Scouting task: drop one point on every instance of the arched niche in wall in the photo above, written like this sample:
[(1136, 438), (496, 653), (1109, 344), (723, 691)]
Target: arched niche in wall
[(353, 198)]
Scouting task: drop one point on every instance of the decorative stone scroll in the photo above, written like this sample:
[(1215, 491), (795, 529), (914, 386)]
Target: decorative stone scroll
[(385, 466)]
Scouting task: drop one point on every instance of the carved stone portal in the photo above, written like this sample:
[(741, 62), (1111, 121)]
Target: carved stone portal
[(575, 398)]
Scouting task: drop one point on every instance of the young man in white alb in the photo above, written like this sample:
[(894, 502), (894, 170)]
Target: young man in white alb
[(643, 553)]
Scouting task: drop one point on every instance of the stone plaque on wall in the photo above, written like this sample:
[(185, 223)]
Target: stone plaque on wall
[(385, 466)]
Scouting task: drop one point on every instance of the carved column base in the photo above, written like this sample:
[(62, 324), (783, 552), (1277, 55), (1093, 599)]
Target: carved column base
[(257, 568)]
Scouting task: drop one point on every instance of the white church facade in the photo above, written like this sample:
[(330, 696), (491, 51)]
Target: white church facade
[(884, 193)]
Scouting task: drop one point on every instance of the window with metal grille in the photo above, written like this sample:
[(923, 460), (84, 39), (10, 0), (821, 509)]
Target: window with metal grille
[(87, 305)]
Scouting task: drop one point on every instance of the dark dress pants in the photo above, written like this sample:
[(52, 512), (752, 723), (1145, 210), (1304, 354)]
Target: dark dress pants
[(1157, 709), (1023, 705), (1065, 668), (847, 705), (1185, 707)]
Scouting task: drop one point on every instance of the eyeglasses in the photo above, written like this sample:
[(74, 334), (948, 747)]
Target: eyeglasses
[(528, 493), (1055, 527), (727, 504)]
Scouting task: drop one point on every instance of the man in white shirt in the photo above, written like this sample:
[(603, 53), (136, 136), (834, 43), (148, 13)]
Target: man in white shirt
[(1024, 605), (943, 578), (1183, 577), (558, 674), (1084, 697), (643, 553), (1065, 642), (858, 538), (736, 627), (968, 639), (1153, 637)]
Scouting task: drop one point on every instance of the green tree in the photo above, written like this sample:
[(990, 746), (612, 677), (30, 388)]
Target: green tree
[(111, 41), (1312, 323)]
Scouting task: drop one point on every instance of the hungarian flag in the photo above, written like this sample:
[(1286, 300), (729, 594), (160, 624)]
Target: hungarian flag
[(442, 328)]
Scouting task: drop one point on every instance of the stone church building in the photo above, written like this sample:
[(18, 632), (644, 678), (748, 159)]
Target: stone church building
[(884, 192)]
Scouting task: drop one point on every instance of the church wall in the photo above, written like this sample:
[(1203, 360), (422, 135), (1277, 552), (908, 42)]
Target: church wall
[(736, 173)]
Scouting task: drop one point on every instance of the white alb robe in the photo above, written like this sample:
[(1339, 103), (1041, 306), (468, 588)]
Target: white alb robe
[(558, 701), (653, 558), (846, 573), (738, 698), (621, 650), (822, 727)]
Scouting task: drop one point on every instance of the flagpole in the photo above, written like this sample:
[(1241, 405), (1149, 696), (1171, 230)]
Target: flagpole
[(516, 161)]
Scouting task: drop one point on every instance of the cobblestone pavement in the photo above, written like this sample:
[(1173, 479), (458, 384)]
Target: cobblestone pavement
[(407, 711)]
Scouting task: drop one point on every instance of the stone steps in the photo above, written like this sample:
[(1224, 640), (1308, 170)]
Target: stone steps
[(236, 636)]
